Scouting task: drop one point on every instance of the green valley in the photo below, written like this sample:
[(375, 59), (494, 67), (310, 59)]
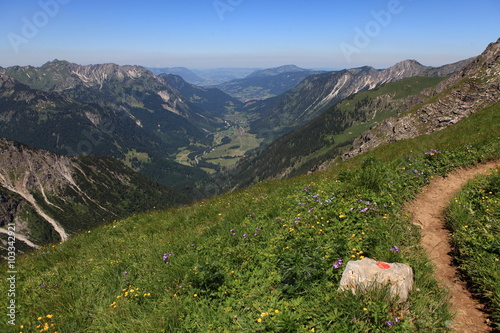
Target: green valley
[(259, 259)]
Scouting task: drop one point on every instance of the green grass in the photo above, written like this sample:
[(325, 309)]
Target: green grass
[(259, 259), (474, 219)]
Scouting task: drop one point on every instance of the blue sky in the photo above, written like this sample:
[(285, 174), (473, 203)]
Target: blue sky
[(245, 33)]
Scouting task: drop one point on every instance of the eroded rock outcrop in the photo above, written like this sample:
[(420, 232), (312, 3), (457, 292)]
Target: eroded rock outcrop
[(475, 87)]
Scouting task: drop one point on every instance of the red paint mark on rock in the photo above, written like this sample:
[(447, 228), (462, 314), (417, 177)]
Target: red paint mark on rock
[(383, 265)]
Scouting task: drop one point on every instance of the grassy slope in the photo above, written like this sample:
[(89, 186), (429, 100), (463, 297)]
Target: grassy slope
[(115, 279), (474, 219)]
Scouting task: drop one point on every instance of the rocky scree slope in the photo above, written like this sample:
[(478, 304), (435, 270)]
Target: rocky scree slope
[(48, 196), (475, 87)]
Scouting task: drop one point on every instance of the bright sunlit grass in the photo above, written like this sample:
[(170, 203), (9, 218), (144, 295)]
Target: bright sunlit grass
[(263, 259)]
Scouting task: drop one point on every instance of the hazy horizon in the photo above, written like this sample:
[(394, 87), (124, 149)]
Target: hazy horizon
[(246, 33)]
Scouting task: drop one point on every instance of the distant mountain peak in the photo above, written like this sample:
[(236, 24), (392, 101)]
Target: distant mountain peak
[(407, 64), (276, 70)]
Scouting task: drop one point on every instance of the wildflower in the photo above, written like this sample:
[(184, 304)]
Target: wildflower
[(49, 316), (166, 256), (388, 323), (394, 248), (259, 320)]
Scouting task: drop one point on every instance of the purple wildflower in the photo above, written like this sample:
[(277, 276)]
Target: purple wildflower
[(388, 323), (166, 257), (338, 263)]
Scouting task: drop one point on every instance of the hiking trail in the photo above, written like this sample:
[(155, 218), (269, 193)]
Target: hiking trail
[(428, 210)]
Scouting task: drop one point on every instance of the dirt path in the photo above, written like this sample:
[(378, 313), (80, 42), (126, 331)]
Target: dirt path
[(427, 211)]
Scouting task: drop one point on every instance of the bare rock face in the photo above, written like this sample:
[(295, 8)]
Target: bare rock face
[(367, 274), (474, 88)]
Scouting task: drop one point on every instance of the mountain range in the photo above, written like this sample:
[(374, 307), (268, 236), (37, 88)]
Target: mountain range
[(402, 109), (164, 126), (113, 250), (318, 92), (58, 121), (121, 111)]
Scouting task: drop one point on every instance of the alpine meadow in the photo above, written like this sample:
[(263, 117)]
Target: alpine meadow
[(218, 166)]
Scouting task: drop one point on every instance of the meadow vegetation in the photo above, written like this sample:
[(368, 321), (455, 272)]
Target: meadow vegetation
[(263, 259), (474, 220)]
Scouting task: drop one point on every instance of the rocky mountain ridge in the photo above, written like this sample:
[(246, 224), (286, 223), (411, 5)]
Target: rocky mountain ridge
[(132, 85), (475, 87), (121, 111), (318, 92), (50, 196)]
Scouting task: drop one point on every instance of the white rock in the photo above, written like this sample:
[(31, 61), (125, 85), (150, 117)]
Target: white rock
[(368, 274)]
